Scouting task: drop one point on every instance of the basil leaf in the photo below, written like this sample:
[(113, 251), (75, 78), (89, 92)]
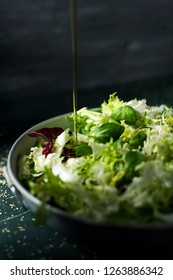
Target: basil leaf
[(83, 150), (107, 131), (132, 159), (137, 139), (126, 113)]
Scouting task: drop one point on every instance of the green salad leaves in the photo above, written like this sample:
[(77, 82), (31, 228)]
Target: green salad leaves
[(121, 169)]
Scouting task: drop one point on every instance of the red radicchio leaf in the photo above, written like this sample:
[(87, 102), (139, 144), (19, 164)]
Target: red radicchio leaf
[(49, 134), (47, 149)]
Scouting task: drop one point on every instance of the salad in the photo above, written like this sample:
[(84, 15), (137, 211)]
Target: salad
[(120, 170)]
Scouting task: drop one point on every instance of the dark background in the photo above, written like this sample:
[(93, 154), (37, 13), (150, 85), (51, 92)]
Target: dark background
[(124, 46)]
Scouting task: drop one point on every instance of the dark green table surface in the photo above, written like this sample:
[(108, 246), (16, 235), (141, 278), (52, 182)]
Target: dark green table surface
[(20, 236)]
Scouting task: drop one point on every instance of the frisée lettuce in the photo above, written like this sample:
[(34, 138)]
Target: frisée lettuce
[(120, 170)]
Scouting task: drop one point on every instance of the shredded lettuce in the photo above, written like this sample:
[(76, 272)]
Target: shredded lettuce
[(121, 169)]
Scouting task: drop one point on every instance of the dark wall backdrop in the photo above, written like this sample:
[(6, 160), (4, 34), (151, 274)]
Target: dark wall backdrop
[(119, 43)]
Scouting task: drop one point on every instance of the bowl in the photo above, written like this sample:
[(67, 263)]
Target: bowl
[(98, 234)]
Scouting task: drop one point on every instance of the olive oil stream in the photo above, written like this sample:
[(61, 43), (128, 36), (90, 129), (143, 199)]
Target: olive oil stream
[(73, 8)]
